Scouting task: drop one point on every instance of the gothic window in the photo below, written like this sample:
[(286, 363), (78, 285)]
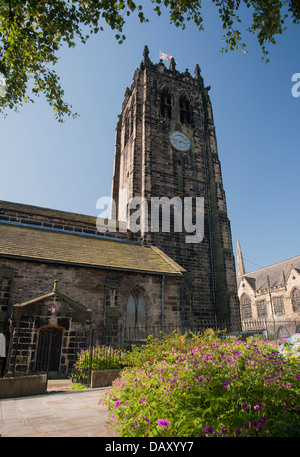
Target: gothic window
[(246, 308), (278, 305), (262, 309), (185, 110), (295, 297), (136, 310), (166, 103)]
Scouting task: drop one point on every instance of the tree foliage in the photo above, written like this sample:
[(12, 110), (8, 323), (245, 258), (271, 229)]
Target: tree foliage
[(32, 32)]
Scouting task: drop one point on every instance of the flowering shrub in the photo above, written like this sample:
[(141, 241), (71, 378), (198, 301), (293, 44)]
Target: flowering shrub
[(96, 358), (207, 386), (290, 347)]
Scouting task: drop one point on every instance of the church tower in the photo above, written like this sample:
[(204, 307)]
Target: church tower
[(166, 148)]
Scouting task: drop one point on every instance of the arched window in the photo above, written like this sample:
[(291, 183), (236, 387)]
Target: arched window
[(166, 103), (246, 309), (136, 309), (185, 110), (295, 297)]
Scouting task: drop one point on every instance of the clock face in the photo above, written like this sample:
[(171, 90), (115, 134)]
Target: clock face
[(179, 141)]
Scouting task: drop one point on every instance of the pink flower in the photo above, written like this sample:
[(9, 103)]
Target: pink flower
[(208, 430), (214, 344), (118, 402), (258, 406), (144, 399), (163, 423)]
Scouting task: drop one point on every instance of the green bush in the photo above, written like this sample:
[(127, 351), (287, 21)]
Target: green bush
[(205, 385), (93, 359)]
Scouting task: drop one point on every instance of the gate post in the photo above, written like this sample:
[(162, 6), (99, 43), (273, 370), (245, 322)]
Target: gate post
[(90, 357)]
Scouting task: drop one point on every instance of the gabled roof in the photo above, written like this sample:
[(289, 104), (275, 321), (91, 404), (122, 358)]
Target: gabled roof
[(277, 273), (40, 244), (53, 294)]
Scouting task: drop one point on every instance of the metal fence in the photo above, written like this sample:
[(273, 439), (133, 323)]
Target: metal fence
[(58, 352)]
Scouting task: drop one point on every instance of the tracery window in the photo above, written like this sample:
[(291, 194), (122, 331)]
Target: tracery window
[(136, 309), (166, 103), (262, 309), (278, 305), (246, 308), (295, 297), (185, 110)]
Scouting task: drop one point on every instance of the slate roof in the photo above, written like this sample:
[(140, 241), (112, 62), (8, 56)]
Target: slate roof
[(40, 244), (258, 279)]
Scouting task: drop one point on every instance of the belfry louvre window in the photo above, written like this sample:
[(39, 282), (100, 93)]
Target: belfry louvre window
[(166, 103), (185, 110), (296, 300)]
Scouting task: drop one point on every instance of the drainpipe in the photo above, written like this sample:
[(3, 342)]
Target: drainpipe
[(162, 300)]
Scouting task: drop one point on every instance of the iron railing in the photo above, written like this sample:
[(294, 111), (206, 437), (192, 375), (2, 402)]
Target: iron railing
[(32, 351)]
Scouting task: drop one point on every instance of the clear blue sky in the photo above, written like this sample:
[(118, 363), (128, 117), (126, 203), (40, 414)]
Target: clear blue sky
[(69, 166)]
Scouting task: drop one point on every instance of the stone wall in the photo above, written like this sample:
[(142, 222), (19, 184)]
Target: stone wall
[(88, 286), (80, 305)]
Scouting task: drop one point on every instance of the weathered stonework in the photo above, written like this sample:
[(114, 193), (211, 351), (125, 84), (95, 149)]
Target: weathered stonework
[(87, 286), (147, 165)]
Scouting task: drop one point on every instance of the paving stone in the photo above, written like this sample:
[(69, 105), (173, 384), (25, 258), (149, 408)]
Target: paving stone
[(68, 414)]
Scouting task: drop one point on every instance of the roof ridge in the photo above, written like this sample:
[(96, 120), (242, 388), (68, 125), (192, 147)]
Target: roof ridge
[(272, 265)]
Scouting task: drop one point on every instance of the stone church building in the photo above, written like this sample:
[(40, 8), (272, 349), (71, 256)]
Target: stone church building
[(271, 295), (59, 273)]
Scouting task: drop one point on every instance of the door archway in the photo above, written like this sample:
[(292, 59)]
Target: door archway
[(49, 350)]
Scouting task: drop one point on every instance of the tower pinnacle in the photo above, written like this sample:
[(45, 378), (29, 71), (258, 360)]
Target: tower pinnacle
[(240, 261)]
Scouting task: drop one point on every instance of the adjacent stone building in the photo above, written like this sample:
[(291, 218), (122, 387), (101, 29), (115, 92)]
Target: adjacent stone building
[(271, 295)]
